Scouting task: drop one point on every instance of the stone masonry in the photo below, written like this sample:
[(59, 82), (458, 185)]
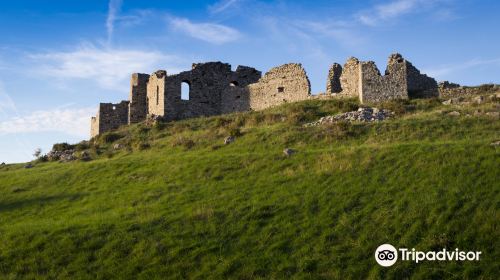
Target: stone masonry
[(215, 89), (363, 79), (109, 117), (138, 98)]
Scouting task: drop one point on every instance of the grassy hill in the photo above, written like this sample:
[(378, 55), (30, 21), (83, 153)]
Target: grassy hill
[(172, 202)]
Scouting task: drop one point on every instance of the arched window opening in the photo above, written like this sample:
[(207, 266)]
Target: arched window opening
[(281, 89), (185, 88)]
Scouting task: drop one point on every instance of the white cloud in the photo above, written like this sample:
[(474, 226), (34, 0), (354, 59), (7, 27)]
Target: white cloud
[(72, 121), (444, 70), (6, 103), (340, 31), (223, 5), (208, 32), (109, 68), (114, 7), (394, 9)]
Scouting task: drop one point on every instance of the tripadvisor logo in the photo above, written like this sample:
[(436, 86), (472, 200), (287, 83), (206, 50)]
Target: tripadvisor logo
[(386, 255)]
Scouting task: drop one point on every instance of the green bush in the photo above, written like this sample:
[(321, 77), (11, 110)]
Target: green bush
[(83, 145), (399, 107), (109, 137), (59, 147), (182, 141), (141, 145)]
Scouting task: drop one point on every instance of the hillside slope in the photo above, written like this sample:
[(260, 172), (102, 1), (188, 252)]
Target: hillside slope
[(171, 201)]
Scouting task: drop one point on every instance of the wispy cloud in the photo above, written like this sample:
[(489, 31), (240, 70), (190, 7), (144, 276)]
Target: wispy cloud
[(209, 32), (114, 7), (72, 121), (394, 9), (444, 70), (223, 5), (108, 67), (7, 105), (340, 31)]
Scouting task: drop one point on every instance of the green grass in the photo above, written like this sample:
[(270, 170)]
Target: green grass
[(175, 203)]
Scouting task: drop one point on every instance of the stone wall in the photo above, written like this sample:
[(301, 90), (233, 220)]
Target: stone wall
[(138, 107), (362, 79), (156, 93), (283, 84), (333, 85), (215, 89), (94, 126), (419, 85), (450, 90), (377, 88), (206, 81), (349, 79), (109, 117)]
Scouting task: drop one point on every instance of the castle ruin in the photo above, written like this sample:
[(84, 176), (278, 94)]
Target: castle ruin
[(215, 89)]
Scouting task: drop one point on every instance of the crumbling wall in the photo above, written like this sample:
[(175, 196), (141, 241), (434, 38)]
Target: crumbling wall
[(377, 88), (155, 92), (109, 117), (349, 79), (235, 99), (419, 85), (363, 80), (207, 82), (94, 126), (333, 85), (286, 83), (452, 90), (138, 107)]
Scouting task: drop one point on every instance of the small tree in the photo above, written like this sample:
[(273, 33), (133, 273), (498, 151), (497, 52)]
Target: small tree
[(38, 153)]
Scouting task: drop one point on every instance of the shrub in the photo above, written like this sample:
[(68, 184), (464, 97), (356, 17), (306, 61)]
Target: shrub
[(141, 145), (183, 142), (234, 131), (487, 88), (83, 145), (59, 147), (222, 122), (399, 107), (42, 158), (109, 137), (159, 126), (300, 114)]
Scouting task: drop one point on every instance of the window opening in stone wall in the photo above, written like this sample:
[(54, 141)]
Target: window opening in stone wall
[(281, 89), (185, 88), (157, 95), (114, 108), (233, 84)]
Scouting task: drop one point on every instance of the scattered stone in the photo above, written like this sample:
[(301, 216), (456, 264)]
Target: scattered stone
[(364, 114), (64, 156), (451, 101), (495, 144), (29, 165), (493, 114), (479, 99), (288, 152), (228, 140), (117, 146), (85, 156), (454, 114)]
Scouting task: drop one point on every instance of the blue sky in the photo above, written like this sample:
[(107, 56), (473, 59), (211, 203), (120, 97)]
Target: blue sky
[(59, 59)]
